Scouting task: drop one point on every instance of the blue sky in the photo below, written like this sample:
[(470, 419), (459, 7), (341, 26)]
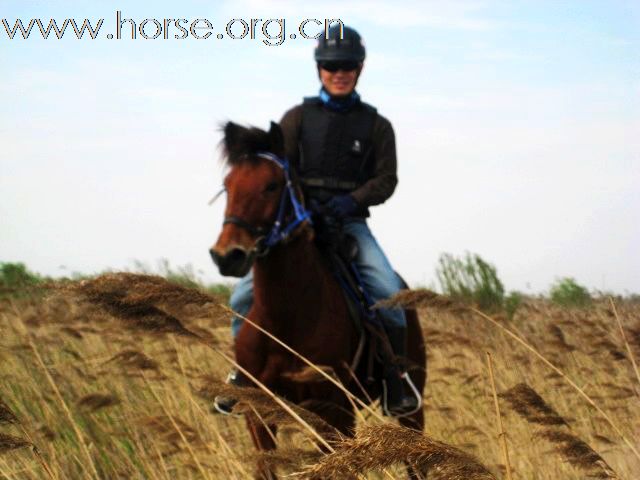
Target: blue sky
[(517, 125)]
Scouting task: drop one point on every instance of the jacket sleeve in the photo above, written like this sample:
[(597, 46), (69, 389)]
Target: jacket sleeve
[(290, 125), (383, 183)]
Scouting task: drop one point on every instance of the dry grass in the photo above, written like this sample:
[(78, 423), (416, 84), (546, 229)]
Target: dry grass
[(97, 401), (379, 446), (531, 406), (526, 401), (6, 415), (128, 367), (11, 442), (578, 453), (131, 360), (502, 436), (421, 299), (253, 400)]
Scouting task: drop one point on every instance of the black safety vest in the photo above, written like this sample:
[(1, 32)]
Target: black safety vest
[(336, 148)]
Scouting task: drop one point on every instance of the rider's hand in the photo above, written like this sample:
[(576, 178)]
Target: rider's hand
[(315, 206), (341, 206)]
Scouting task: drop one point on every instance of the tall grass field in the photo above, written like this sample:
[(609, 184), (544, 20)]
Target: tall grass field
[(113, 377)]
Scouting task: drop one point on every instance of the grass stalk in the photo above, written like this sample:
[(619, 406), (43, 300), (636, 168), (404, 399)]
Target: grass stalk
[(65, 408), (624, 338), (177, 428), (502, 436), (37, 454), (196, 407), (264, 424), (544, 359)]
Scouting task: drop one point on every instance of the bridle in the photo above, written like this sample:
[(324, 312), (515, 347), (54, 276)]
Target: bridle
[(279, 231)]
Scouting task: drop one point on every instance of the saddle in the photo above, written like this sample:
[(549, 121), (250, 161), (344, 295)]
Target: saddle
[(374, 352)]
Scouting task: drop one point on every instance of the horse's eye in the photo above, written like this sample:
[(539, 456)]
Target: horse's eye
[(271, 187)]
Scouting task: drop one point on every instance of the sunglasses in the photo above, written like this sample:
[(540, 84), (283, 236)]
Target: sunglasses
[(345, 66)]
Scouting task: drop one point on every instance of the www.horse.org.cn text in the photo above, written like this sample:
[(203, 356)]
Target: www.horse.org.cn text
[(271, 32)]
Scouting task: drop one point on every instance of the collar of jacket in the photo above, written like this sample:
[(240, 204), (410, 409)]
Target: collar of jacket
[(339, 104)]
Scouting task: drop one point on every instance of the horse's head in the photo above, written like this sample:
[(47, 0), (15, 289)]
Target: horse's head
[(260, 198)]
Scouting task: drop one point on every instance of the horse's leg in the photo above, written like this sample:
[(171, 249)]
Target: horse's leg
[(415, 422), (262, 437), (417, 354), (337, 412), (342, 417)]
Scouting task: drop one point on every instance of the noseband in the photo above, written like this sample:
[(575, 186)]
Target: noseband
[(252, 229), (279, 231)]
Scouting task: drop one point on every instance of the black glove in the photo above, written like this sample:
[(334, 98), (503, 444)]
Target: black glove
[(342, 206)]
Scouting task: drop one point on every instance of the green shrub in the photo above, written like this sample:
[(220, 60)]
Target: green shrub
[(470, 280), (568, 293), (16, 275), (17, 280), (511, 303), (221, 290), (183, 276)]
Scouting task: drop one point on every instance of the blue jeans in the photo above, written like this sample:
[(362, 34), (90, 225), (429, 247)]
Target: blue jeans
[(378, 277)]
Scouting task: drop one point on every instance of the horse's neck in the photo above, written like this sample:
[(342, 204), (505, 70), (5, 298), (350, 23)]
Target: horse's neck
[(290, 274)]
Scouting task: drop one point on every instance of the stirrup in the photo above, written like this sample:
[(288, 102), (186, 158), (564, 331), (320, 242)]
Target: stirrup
[(224, 404), (385, 407)]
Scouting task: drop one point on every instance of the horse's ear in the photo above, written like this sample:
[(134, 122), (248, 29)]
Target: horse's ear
[(276, 139), (231, 135)]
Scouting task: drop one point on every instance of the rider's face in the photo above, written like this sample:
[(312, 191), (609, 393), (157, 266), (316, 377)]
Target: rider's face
[(341, 82)]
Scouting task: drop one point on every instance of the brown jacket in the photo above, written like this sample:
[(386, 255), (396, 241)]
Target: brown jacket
[(384, 180)]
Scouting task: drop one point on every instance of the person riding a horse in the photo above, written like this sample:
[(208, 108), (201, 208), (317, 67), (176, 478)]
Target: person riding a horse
[(344, 153)]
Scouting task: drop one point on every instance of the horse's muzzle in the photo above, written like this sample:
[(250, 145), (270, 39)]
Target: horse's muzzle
[(235, 263)]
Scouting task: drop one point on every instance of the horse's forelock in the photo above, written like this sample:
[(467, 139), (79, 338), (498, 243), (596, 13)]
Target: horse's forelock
[(240, 143)]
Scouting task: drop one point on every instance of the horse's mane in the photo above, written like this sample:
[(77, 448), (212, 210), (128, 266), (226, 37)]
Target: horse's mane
[(240, 144)]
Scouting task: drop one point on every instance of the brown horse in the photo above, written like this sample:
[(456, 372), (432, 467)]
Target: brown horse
[(296, 298)]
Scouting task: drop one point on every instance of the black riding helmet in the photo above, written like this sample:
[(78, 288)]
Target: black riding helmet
[(349, 48)]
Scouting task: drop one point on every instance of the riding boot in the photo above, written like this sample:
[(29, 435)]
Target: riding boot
[(399, 401), (224, 403)]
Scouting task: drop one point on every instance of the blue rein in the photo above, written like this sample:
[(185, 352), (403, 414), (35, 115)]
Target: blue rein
[(280, 231)]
